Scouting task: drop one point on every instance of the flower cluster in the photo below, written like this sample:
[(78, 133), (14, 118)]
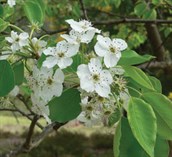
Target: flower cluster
[(99, 79)]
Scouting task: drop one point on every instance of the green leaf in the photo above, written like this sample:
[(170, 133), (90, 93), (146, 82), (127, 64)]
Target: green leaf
[(41, 60), (138, 76), (117, 3), (130, 147), (114, 117), (143, 124), (163, 129), (6, 78), (3, 25), (18, 69), (34, 12), (1, 11), (116, 140), (66, 107), (140, 8), (161, 104), (130, 57), (8, 11), (156, 84), (150, 14)]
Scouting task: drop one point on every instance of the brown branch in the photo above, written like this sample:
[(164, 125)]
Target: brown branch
[(127, 20), (155, 65), (35, 142), (83, 9)]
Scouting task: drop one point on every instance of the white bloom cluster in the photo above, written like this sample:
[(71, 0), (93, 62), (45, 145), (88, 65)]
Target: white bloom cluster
[(99, 78), (11, 3)]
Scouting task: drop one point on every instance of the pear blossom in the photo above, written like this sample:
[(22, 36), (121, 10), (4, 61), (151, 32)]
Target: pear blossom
[(45, 83), (39, 45), (60, 55), (75, 37), (11, 3), (94, 78), (17, 41), (109, 49), (40, 107), (82, 26)]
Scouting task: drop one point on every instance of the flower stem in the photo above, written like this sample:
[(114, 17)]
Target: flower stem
[(17, 28)]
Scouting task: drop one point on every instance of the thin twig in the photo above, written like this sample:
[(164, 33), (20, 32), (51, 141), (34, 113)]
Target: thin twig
[(83, 9), (127, 20)]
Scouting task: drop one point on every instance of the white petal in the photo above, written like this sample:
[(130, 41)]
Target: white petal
[(103, 90), (9, 39), (95, 65), (83, 70), (62, 46), (59, 76), (14, 35), (100, 51), (68, 38), (87, 84), (72, 50), (106, 77), (50, 62), (49, 51), (110, 60), (24, 36), (64, 62), (87, 36), (120, 44), (75, 25), (104, 41)]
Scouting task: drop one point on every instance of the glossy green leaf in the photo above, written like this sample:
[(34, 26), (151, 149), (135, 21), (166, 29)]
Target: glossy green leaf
[(6, 78), (66, 107), (130, 57), (130, 147), (143, 124), (162, 128), (156, 84), (18, 69), (138, 76), (150, 14), (34, 11), (140, 8), (3, 25), (1, 11), (161, 104), (116, 140), (114, 117)]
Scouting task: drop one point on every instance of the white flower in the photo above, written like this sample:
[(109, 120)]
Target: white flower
[(39, 45), (110, 49), (17, 41), (46, 84), (94, 78), (40, 107), (60, 55), (75, 37), (11, 3), (82, 26)]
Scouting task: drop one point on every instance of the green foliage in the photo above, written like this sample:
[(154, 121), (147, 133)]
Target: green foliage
[(129, 145), (162, 105), (143, 124), (114, 117), (3, 25), (138, 76), (6, 78), (35, 11), (66, 107), (130, 57), (18, 69)]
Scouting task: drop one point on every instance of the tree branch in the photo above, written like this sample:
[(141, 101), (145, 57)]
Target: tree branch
[(83, 9), (127, 20), (35, 142)]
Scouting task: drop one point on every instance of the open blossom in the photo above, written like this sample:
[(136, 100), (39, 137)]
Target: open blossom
[(46, 84), (17, 41), (82, 26), (39, 45), (11, 3), (60, 55), (110, 49), (40, 107), (94, 78)]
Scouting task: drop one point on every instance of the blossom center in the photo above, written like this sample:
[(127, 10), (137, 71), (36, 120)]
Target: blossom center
[(112, 49), (61, 54), (96, 77), (49, 81)]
